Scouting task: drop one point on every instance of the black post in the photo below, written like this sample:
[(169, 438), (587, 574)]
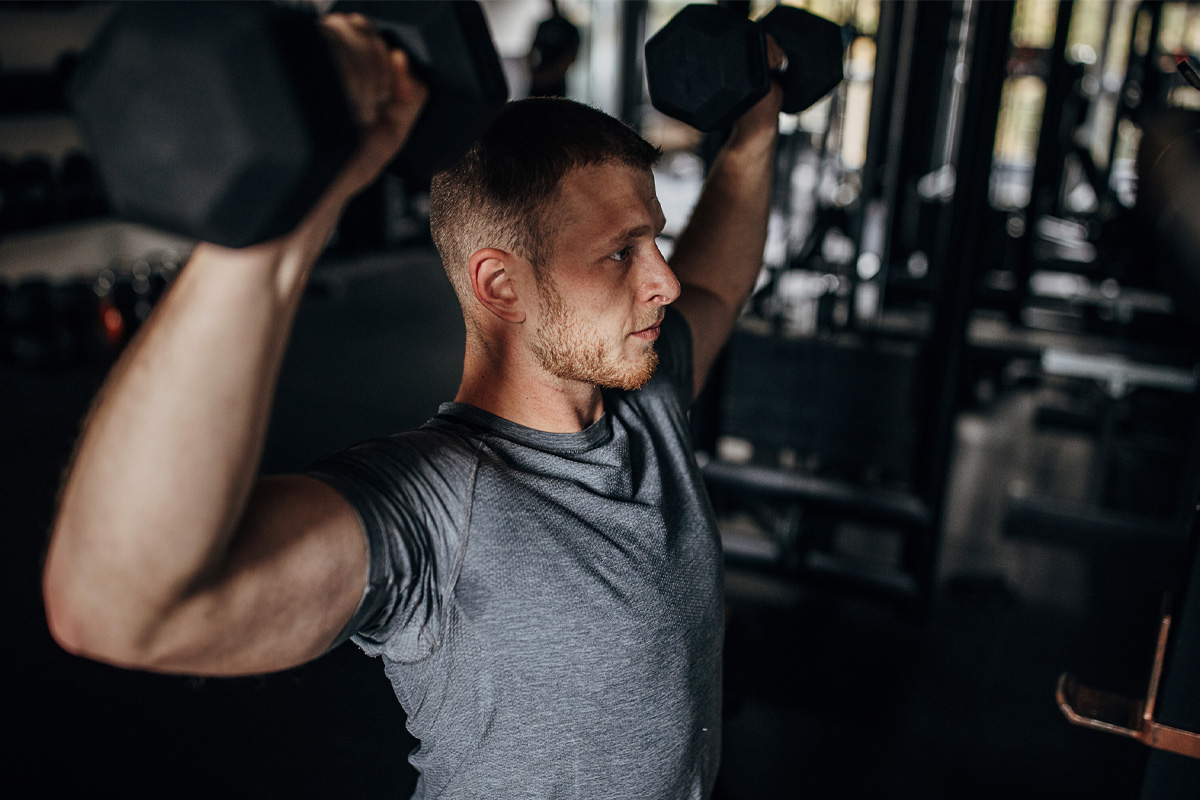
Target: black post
[(1048, 164), (954, 258), (1153, 94), (1133, 94), (895, 40), (632, 66)]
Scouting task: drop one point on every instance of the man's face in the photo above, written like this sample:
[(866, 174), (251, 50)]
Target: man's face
[(606, 284)]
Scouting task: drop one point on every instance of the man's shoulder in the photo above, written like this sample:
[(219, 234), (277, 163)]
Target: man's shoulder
[(439, 437), (438, 456)]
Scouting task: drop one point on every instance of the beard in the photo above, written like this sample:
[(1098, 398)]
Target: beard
[(568, 349)]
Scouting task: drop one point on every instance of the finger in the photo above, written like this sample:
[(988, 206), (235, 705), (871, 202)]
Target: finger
[(407, 89), (339, 24), (382, 70), (397, 117), (358, 22), (776, 58), (365, 63)]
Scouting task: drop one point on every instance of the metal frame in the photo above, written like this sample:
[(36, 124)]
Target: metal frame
[(1124, 716)]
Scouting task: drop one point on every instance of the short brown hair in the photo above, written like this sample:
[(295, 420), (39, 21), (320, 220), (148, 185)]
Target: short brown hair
[(500, 194)]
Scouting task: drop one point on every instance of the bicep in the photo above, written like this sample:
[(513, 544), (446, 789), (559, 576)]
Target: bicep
[(711, 321), (292, 579)]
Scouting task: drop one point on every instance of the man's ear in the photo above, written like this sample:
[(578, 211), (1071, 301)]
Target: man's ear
[(493, 276)]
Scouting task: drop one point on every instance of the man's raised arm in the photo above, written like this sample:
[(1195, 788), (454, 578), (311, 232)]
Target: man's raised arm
[(719, 254), (166, 553)]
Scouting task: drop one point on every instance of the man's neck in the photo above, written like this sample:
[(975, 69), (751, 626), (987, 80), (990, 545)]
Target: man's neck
[(529, 396)]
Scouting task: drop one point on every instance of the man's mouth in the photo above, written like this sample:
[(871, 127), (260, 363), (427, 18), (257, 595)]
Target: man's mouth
[(650, 333)]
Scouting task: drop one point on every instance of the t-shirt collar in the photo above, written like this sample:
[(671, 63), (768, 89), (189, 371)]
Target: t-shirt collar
[(598, 433)]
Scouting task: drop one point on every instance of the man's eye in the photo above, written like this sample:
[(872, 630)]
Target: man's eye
[(621, 254)]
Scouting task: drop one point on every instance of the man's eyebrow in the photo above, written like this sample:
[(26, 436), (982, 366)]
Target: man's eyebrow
[(639, 231)]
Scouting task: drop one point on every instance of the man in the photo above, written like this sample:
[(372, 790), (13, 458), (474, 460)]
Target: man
[(538, 565)]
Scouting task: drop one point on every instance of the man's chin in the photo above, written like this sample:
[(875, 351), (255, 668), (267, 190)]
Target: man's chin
[(635, 377)]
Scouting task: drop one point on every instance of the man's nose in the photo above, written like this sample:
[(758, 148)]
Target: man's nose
[(662, 287)]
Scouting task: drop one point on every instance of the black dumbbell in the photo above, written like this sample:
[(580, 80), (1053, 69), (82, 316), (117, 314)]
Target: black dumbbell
[(8, 194), (77, 322), (28, 314), (34, 198), (708, 65), (5, 293), (78, 190), (226, 121)]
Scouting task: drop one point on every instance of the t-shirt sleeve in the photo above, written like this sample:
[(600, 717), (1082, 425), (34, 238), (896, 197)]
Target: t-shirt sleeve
[(675, 360), (410, 492)]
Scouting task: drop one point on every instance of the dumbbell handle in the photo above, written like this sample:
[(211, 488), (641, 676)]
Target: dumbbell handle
[(813, 42), (773, 51)]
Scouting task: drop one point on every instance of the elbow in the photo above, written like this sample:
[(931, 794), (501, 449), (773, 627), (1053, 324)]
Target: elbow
[(62, 598), (68, 627), (65, 626), (90, 636), (105, 607), (81, 626)]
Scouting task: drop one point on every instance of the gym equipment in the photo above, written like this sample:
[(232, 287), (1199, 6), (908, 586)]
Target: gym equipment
[(35, 189), (79, 193), (1184, 67), (708, 65), (78, 329), (28, 314), (226, 121), (555, 48), (1124, 716), (36, 192), (83, 320), (8, 191), (36, 91)]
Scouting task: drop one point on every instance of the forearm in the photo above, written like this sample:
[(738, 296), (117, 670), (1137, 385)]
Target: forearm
[(720, 251), (170, 449), (719, 254)]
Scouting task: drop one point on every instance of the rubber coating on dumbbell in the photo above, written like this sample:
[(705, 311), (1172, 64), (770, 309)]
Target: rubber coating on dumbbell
[(709, 65)]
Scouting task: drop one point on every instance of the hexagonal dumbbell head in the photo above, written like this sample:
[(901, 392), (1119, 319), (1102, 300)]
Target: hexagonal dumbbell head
[(220, 121), (707, 66), (814, 51)]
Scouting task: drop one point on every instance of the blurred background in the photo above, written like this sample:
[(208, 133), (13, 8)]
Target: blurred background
[(952, 443)]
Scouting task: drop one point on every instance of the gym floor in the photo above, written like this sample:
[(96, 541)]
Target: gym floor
[(830, 695)]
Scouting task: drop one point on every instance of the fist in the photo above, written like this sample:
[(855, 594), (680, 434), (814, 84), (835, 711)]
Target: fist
[(385, 96)]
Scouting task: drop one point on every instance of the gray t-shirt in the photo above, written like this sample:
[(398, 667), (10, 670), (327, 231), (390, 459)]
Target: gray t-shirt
[(548, 606)]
